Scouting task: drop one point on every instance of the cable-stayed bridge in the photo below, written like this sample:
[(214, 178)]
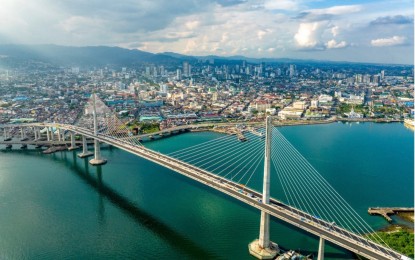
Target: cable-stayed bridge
[(228, 165)]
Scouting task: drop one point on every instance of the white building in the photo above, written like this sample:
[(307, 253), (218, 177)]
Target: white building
[(314, 103), (325, 98), (299, 105)]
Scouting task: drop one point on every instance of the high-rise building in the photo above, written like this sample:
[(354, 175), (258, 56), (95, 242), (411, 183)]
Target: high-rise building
[(186, 69), (164, 88), (292, 70), (178, 74)]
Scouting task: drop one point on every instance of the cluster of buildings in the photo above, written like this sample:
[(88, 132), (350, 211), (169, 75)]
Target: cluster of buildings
[(209, 90)]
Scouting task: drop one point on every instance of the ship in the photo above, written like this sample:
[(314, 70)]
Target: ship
[(410, 123)]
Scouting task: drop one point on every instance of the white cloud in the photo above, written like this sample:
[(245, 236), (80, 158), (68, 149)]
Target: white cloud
[(191, 25), (335, 30), (262, 33), (281, 5), (395, 40), (336, 10), (308, 34), (333, 44), (277, 28)]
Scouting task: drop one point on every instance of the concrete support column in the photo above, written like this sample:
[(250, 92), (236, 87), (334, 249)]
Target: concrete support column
[(63, 136), (52, 134), (59, 135), (263, 248), (39, 134), (97, 153), (85, 152), (47, 134), (35, 133), (321, 249), (21, 133), (73, 145)]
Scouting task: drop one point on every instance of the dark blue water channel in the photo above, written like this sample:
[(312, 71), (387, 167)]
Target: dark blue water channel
[(59, 207)]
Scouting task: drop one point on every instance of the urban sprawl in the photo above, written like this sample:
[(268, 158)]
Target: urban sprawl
[(165, 96)]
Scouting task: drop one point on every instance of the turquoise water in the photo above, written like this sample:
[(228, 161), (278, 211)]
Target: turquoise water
[(59, 207)]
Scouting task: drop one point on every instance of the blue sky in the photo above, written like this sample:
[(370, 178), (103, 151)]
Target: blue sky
[(353, 30)]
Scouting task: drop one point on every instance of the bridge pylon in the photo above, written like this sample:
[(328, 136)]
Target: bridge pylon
[(263, 248), (98, 160)]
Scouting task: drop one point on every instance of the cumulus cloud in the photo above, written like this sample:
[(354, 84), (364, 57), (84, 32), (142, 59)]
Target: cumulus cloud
[(333, 44), (335, 30), (308, 35), (248, 27), (393, 41)]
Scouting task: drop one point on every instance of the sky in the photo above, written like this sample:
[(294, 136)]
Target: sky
[(353, 30)]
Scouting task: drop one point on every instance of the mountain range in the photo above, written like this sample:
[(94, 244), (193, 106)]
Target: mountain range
[(104, 55)]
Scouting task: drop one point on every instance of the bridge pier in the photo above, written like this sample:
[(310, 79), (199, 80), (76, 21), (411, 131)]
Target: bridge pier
[(73, 145), (98, 160), (6, 135), (52, 133), (35, 133), (263, 248), (85, 152), (47, 134), (23, 132), (321, 249), (59, 135)]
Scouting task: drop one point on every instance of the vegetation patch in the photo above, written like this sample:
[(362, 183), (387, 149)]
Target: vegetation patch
[(401, 240)]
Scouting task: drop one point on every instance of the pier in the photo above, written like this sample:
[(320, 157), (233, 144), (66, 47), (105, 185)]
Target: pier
[(386, 212)]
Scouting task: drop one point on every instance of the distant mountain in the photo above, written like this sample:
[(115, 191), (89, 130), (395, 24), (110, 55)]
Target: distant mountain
[(178, 56), (87, 56), (103, 55), (239, 58)]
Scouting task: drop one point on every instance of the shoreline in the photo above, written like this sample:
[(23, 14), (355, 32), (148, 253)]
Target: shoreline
[(279, 123)]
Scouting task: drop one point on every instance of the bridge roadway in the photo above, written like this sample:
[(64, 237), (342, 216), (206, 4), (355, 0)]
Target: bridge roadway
[(298, 218), (43, 142)]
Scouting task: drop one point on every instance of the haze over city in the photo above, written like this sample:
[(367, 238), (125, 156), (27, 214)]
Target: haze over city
[(364, 31)]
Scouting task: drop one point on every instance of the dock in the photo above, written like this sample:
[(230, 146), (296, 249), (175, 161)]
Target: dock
[(386, 212)]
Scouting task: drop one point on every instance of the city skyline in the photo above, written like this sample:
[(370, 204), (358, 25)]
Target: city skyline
[(361, 31)]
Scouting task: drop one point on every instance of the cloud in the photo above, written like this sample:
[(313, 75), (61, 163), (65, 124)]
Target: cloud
[(333, 44), (397, 19), (335, 30), (393, 41), (328, 13), (230, 2), (250, 27), (281, 5), (308, 35)]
